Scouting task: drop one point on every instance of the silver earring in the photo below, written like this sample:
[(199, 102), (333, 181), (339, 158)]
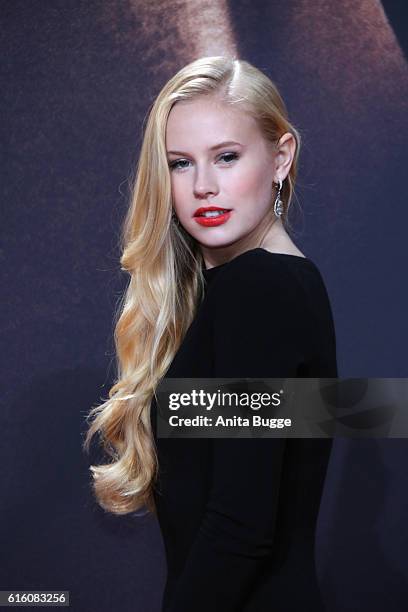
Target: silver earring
[(278, 205)]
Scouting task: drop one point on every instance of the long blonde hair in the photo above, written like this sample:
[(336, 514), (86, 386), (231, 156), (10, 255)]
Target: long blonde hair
[(166, 282)]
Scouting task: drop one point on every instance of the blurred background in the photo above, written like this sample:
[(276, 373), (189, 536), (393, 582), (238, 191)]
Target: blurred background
[(77, 80)]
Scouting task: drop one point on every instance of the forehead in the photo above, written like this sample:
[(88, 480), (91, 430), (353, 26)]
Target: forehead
[(205, 121)]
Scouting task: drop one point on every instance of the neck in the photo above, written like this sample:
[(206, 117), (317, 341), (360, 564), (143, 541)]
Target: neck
[(271, 232)]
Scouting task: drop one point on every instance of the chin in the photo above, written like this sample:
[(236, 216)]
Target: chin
[(218, 243)]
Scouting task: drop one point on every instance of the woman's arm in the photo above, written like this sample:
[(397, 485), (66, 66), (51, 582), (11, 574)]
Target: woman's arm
[(255, 335), (237, 531)]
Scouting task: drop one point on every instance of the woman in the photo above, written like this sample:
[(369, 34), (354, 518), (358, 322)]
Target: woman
[(218, 289)]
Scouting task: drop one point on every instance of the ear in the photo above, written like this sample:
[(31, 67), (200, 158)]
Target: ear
[(285, 152)]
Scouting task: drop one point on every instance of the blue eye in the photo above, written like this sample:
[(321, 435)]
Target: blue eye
[(176, 164)]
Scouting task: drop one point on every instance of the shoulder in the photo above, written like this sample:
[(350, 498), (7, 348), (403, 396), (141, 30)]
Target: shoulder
[(265, 272), (259, 284)]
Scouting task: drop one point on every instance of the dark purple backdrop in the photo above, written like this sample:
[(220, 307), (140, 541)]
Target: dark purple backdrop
[(77, 79)]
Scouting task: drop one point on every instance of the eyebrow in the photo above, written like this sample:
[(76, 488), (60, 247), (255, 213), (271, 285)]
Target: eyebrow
[(226, 143)]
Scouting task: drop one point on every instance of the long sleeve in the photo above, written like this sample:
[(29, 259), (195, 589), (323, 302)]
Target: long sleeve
[(257, 332)]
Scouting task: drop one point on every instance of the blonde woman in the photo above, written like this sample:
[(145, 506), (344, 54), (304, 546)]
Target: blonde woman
[(218, 289)]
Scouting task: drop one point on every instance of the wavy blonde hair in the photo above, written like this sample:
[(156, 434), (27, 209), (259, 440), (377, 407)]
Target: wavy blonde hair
[(166, 282)]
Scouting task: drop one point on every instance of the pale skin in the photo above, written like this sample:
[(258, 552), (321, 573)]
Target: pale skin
[(240, 176)]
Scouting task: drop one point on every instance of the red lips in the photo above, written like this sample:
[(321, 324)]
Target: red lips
[(213, 221)]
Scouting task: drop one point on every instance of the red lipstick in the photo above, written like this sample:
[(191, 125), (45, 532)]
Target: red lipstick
[(212, 220)]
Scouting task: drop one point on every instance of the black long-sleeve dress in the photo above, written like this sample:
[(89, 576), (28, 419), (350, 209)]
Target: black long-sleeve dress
[(238, 516)]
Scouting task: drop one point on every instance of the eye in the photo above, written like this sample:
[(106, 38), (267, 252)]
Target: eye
[(178, 164), (229, 157)]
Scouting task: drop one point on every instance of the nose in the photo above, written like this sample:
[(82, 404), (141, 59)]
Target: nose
[(205, 182)]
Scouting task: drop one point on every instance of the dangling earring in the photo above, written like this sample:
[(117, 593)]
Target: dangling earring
[(278, 205)]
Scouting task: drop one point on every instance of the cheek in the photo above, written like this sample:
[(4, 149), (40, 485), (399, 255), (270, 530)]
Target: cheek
[(253, 185)]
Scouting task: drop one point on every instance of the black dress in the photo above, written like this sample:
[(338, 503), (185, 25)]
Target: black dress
[(238, 516)]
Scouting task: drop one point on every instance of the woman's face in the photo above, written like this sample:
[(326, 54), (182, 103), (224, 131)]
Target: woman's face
[(218, 157)]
